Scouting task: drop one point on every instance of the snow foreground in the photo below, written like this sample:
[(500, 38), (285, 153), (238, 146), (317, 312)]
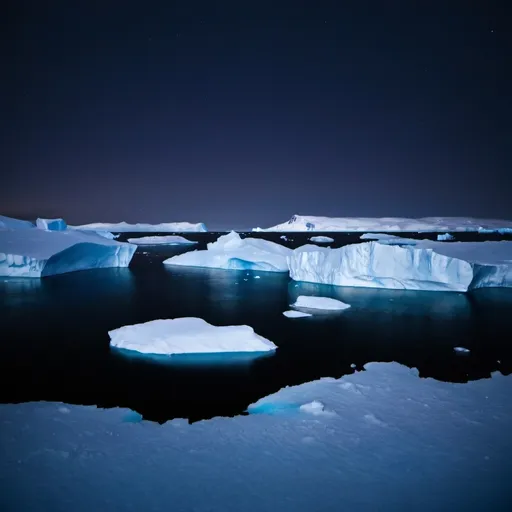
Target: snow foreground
[(425, 224), (120, 227), (324, 303), (397, 263), (160, 240), (188, 336), (235, 253), (40, 253), (381, 439)]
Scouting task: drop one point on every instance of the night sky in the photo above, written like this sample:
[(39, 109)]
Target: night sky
[(241, 114)]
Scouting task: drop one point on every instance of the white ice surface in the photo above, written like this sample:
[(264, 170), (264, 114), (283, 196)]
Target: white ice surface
[(442, 237), (325, 303), (425, 224), (322, 239), (414, 264), (390, 442), (235, 253), (188, 336), (40, 253), (10, 223), (106, 234), (296, 314), (51, 224), (160, 240), (119, 227)]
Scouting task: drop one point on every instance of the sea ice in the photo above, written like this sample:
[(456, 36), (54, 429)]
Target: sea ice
[(188, 336), (322, 239), (160, 240), (325, 303), (442, 237), (295, 314), (235, 253), (51, 224), (165, 227)]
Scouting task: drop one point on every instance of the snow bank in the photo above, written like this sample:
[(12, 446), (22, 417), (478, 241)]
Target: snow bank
[(119, 227), (234, 253), (51, 224), (188, 336), (414, 265), (425, 224), (40, 253), (325, 303), (160, 240), (322, 239)]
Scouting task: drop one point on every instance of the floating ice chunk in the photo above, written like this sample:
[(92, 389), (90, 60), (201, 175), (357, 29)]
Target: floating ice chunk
[(461, 350), (165, 227), (163, 240), (387, 239), (283, 237), (445, 237), (235, 253), (51, 224), (325, 303), (322, 239), (295, 314), (188, 336)]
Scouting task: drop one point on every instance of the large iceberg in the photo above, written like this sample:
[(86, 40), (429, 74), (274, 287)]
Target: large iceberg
[(40, 253), (51, 224), (165, 227), (188, 336), (235, 253), (161, 240), (424, 224), (414, 265)]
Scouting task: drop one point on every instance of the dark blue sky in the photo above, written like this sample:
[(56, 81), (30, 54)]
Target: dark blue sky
[(240, 114)]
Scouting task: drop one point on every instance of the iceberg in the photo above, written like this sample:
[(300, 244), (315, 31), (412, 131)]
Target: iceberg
[(51, 224), (325, 303), (188, 336), (235, 253), (10, 223), (412, 265), (386, 238), (445, 237), (41, 253), (295, 314), (424, 224), (160, 240), (322, 239), (165, 227)]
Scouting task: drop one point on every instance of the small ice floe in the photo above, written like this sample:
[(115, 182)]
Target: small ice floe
[(324, 303), (295, 314), (461, 350)]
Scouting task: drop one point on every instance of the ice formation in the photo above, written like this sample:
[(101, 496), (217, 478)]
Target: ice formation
[(296, 314), (10, 223), (425, 224), (443, 237), (410, 264), (160, 240), (322, 239), (325, 303), (188, 336), (165, 227), (51, 224), (106, 234), (39, 253), (235, 253)]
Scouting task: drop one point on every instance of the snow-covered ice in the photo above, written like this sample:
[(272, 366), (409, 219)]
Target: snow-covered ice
[(424, 224), (462, 350), (40, 253), (325, 303), (390, 441), (107, 234), (161, 240), (165, 227), (406, 264), (10, 223), (296, 314), (322, 239), (443, 237), (235, 253), (51, 224), (188, 336), (386, 238)]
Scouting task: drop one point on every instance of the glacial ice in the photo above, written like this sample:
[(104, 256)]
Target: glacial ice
[(295, 314), (235, 253), (324, 303), (160, 240), (413, 264), (51, 224), (322, 239), (165, 227), (40, 253), (10, 223), (425, 224), (106, 234), (443, 237), (188, 336)]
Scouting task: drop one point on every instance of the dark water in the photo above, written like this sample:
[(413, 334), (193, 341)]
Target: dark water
[(54, 344)]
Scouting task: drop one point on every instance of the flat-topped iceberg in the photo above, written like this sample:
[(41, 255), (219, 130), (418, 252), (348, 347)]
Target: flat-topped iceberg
[(424, 224), (325, 303), (40, 253), (188, 336), (161, 240), (51, 224), (414, 265), (322, 239), (235, 253), (165, 227)]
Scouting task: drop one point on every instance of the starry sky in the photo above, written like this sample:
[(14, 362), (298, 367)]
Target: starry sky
[(241, 114)]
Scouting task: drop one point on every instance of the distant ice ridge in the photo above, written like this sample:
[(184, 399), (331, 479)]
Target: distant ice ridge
[(425, 224), (163, 240), (322, 239), (235, 253), (413, 264), (165, 227), (187, 336), (51, 224), (39, 253)]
